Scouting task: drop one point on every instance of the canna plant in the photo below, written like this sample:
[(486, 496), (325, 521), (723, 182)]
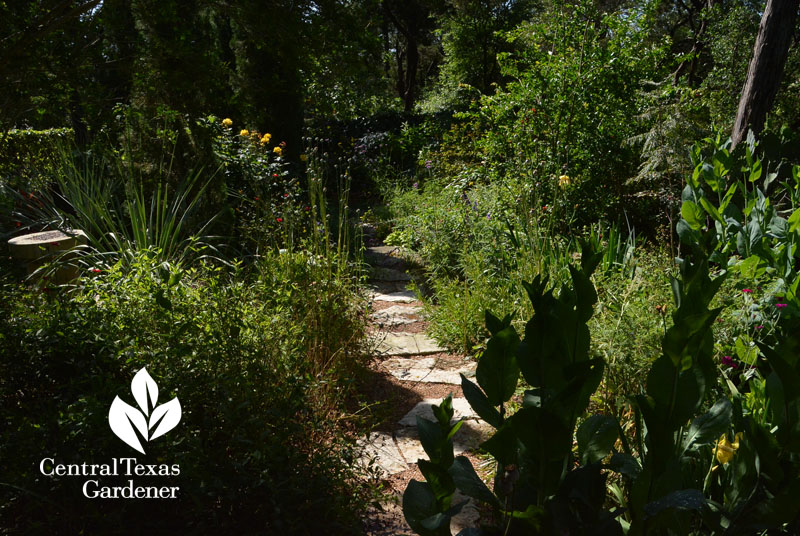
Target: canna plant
[(542, 484), (691, 466)]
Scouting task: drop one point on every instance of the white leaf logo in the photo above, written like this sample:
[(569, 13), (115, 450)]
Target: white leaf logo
[(125, 420)]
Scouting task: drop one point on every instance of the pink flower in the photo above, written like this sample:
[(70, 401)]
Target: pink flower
[(781, 305), (279, 220), (747, 290), (728, 361), (759, 327)]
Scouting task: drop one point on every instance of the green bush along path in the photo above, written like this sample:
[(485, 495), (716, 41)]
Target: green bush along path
[(421, 370)]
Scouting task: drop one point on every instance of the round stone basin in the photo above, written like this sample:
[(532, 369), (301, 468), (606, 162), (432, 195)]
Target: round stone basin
[(36, 248)]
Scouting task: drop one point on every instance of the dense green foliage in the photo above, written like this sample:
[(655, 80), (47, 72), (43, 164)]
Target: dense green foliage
[(31, 156), (253, 360), (710, 448), (221, 158)]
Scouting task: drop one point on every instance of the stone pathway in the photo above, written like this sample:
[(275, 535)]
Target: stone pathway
[(414, 360)]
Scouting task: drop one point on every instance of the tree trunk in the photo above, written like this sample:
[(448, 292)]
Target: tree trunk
[(412, 66), (766, 67)]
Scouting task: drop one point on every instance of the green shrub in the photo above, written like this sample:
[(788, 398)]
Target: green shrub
[(258, 361), (30, 158)]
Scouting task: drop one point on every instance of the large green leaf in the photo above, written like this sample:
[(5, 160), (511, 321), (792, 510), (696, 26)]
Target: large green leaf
[(433, 440), (478, 401), (470, 484), (497, 371), (711, 210), (708, 427), (494, 324), (686, 499), (440, 482), (692, 214), (596, 437), (755, 171), (422, 511), (794, 221), (444, 411), (503, 445), (625, 464), (746, 350)]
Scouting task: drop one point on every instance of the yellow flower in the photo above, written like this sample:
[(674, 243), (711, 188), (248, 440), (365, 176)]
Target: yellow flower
[(227, 123), (244, 132), (726, 449), (277, 150), (563, 181), (265, 138), (303, 158)]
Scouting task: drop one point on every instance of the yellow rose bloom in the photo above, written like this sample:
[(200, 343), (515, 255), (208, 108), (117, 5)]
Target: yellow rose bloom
[(265, 138), (227, 123), (277, 150), (726, 449), (244, 132), (563, 181)]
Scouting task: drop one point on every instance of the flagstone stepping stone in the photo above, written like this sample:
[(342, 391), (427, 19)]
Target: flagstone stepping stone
[(396, 315), (381, 447), (393, 454), (408, 344), (403, 296), (424, 409), (425, 370), (379, 251), (468, 517), (471, 434), (389, 274), (384, 256)]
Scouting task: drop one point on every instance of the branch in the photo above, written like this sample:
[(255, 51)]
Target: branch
[(48, 24)]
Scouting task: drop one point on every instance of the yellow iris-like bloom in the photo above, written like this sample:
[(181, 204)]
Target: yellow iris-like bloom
[(277, 150), (244, 132), (563, 181), (303, 158), (265, 138), (227, 123), (726, 449)]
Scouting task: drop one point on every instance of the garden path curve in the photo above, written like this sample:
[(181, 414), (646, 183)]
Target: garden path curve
[(411, 372)]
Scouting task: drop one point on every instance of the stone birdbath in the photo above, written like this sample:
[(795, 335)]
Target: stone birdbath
[(36, 249)]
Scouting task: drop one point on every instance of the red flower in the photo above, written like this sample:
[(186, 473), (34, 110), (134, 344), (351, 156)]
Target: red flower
[(257, 198), (307, 208), (279, 220), (285, 195), (747, 290), (96, 270), (274, 174), (19, 224), (282, 144)]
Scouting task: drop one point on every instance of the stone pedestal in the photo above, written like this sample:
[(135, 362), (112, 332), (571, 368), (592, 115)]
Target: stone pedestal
[(36, 249)]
